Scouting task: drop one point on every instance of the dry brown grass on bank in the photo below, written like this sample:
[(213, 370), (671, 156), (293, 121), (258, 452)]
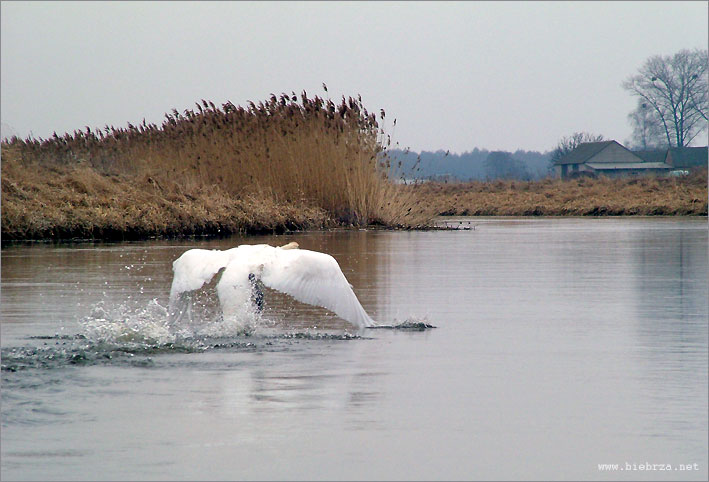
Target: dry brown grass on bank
[(291, 150), (644, 196), (64, 202), (288, 161)]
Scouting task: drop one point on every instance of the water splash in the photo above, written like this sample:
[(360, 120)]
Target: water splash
[(152, 325), (125, 333), (121, 324), (409, 324)]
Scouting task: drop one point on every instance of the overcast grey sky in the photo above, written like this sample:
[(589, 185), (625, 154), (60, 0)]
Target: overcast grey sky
[(458, 75)]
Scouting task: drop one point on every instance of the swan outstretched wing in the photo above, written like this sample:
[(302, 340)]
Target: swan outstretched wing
[(195, 268), (190, 272), (308, 276), (314, 278), (198, 266)]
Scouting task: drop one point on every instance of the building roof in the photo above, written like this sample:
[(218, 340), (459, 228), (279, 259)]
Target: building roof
[(583, 152), (628, 165), (689, 156), (654, 155)]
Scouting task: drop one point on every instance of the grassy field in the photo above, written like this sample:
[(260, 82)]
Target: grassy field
[(642, 196), (290, 163)]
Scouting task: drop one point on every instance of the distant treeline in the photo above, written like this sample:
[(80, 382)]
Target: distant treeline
[(475, 165)]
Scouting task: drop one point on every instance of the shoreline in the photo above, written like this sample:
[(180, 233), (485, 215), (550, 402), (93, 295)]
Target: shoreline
[(80, 206), (439, 224), (75, 201)]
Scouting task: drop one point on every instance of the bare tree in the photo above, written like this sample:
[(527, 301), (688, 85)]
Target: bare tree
[(569, 143), (648, 132), (700, 96), (675, 88)]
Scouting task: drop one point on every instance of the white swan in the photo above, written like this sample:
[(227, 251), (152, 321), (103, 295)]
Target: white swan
[(308, 276)]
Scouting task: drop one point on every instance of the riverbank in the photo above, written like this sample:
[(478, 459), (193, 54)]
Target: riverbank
[(289, 163), (66, 202), (643, 196), (45, 202)]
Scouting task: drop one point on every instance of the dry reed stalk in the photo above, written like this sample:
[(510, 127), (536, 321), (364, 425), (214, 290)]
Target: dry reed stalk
[(290, 151)]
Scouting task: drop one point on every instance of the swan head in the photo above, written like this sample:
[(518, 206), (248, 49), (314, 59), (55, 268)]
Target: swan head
[(291, 245)]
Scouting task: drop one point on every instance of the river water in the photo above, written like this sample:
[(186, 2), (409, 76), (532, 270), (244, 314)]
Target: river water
[(561, 345)]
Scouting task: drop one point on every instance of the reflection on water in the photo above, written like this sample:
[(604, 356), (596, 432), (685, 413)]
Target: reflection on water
[(561, 345)]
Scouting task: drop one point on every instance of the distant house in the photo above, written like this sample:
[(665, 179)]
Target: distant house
[(611, 159), (687, 157), (657, 155), (678, 158), (607, 158)]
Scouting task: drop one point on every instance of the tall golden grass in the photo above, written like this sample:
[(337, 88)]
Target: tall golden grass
[(291, 162), (309, 154), (64, 202)]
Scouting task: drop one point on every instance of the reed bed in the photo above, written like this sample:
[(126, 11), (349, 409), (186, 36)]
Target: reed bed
[(287, 163), (64, 202), (642, 196)]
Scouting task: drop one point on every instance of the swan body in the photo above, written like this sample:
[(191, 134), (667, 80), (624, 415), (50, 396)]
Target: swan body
[(308, 276)]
